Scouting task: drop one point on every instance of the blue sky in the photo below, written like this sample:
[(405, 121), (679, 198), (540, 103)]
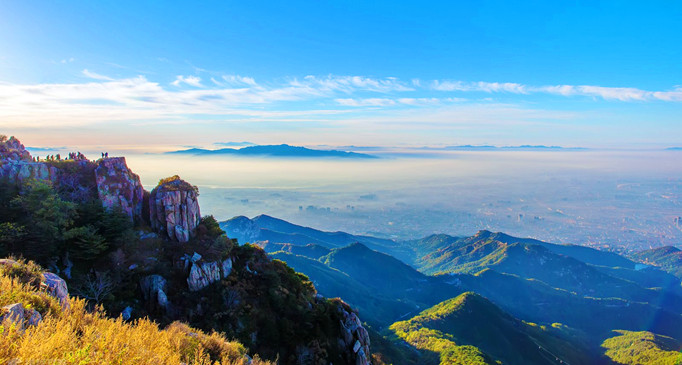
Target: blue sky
[(574, 73)]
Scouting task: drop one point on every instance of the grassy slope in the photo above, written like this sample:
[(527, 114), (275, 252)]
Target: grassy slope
[(80, 336)]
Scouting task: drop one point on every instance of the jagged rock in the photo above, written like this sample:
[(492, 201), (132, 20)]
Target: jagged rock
[(17, 165), (117, 186), (56, 286), (153, 287), (355, 337), (13, 313), (203, 274), (13, 150), (174, 209)]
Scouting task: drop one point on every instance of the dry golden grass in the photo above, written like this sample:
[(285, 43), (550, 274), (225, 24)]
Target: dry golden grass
[(77, 336)]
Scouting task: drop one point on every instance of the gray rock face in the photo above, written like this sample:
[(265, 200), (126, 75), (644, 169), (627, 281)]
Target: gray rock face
[(20, 316), (174, 209), (117, 186), (203, 274), (56, 286), (13, 313), (17, 172), (355, 338), (17, 165), (153, 288)]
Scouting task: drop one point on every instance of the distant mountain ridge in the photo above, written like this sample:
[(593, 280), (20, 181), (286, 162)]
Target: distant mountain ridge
[(274, 230), (282, 150), (547, 295)]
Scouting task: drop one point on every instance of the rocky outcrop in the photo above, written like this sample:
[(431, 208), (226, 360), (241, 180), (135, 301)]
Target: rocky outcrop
[(354, 338), (153, 289), (17, 172), (117, 186), (174, 209), (17, 165), (19, 315), (203, 274), (56, 286), (12, 150)]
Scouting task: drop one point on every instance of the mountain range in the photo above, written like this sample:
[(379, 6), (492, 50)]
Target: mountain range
[(549, 294), (282, 150)]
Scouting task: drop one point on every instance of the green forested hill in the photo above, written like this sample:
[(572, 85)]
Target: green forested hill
[(471, 329), (668, 258), (643, 348)]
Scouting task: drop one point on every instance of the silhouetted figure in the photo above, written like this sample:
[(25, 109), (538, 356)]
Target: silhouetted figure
[(106, 154)]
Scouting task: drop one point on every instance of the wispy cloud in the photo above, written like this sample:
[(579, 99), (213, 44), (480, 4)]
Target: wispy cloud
[(603, 92), (96, 76), (189, 80), (232, 97), (239, 80), (384, 102), (488, 87)]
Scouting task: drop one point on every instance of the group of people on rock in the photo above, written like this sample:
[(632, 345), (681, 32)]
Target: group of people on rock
[(76, 156)]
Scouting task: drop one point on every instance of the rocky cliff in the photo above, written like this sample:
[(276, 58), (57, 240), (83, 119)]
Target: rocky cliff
[(174, 209), (17, 165), (117, 186), (76, 177)]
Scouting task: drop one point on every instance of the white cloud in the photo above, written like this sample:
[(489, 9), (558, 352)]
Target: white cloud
[(239, 80), (488, 87), (603, 92), (95, 76), (189, 80), (366, 102), (103, 99), (377, 102), (349, 84)]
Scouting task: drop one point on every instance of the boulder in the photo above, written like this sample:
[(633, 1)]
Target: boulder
[(153, 289), (17, 314), (13, 313), (174, 209), (56, 286), (118, 187), (202, 274)]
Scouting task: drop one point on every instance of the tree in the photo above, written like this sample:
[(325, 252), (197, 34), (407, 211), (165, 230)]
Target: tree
[(85, 243), (46, 217), (96, 286)]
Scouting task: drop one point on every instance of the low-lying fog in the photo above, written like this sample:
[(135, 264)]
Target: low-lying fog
[(628, 198)]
